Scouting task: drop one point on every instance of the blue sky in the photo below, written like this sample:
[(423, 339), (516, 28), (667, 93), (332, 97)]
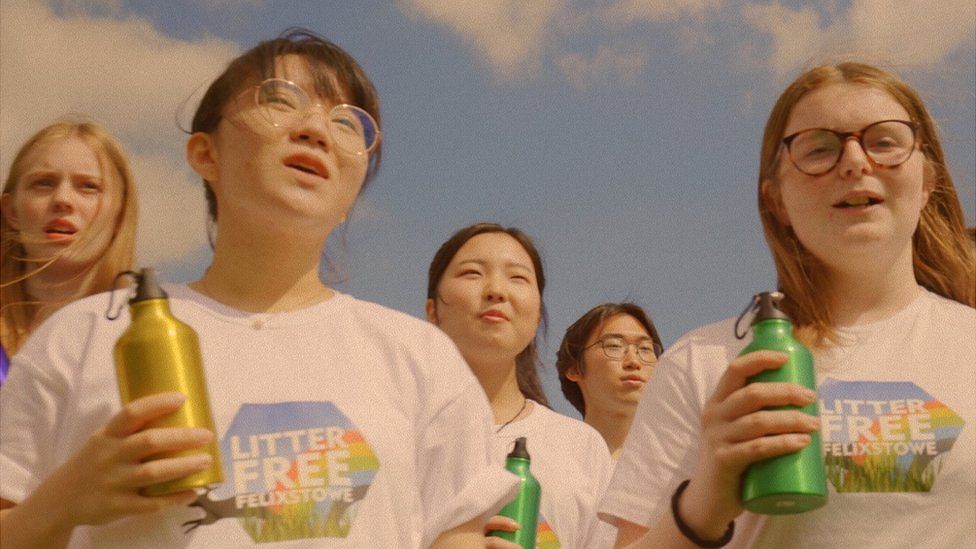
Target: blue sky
[(623, 135)]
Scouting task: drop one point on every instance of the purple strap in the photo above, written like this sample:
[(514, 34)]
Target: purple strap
[(4, 364)]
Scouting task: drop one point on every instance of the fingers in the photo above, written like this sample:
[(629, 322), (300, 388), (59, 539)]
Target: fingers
[(757, 396), (768, 423), (162, 440), (136, 414), (502, 523), (749, 451), (744, 367), (162, 470)]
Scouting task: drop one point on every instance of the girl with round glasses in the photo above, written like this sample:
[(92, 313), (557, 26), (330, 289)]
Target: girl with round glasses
[(870, 248), (340, 423), (68, 225), (484, 290), (603, 362)]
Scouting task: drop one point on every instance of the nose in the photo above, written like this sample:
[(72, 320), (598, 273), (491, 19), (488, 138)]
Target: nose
[(630, 360), (62, 199), (313, 128), (494, 290), (854, 162)]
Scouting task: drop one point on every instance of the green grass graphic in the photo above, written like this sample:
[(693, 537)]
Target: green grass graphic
[(880, 473)]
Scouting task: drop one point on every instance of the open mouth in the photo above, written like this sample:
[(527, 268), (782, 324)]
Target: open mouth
[(59, 229), (858, 202), (307, 164)]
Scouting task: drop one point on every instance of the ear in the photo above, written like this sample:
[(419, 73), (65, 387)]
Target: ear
[(573, 374), (430, 307), (772, 200), (201, 154), (8, 211), (929, 176)]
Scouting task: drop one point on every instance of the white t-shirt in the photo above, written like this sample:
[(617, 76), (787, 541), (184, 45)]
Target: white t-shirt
[(345, 424), (897, 402), (572, 464)]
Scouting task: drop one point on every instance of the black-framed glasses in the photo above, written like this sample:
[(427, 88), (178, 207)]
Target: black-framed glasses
[(887, 143), (284, 104), (616, 348)]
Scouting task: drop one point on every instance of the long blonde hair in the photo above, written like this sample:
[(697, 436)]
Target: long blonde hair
[(20, 313), (942, 254)]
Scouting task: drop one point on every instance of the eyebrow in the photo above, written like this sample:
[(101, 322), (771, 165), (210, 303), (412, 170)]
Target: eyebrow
[(622, 336), (87, 175), (509, 265)]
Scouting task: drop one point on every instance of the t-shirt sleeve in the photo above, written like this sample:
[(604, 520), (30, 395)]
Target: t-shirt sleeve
[(459, 478), (662, 445), (597, 534), (30, 403)]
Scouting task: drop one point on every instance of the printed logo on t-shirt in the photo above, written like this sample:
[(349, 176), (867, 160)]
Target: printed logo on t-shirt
[(293, 470), (884, 436), (545, 537)]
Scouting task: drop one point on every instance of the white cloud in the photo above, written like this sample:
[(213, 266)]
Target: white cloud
[(637, 11), (131, 78), (172, 211), (902, 32), (607, 64), (510, 35)]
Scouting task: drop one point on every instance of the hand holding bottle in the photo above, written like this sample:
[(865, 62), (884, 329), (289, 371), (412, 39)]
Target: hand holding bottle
[(500, 523), (737, 431), (102, 482)]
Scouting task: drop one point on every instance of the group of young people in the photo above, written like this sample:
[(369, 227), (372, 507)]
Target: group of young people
[(342, 423)]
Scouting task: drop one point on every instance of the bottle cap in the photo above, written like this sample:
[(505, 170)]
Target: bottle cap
[(520, 451), (767, 306), (147, 287)]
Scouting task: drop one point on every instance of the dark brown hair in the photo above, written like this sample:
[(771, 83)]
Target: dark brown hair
[(570, 354), (526, 363), (336, 75)]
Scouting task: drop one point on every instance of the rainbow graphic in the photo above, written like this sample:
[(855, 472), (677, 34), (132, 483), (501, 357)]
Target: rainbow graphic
[(294, 470), (884, 436), (545, 538)]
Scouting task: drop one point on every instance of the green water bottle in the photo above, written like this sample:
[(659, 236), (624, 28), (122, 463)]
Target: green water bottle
[(524, 509), (795, 482)]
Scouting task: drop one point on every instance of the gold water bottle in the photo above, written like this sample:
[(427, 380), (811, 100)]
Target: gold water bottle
[(158, 354)]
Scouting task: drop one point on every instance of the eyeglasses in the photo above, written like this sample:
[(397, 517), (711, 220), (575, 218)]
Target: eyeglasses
[(887, 143), (284, 104), (616, 348)]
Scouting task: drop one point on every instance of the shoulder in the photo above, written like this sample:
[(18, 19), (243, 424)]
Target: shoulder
[(713, 343), (394, 326), (949, 310), (572, 429), (71, 320)]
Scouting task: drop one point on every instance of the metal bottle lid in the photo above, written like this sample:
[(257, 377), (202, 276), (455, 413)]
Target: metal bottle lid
[(147, 287), (767, 307), (520, 450)]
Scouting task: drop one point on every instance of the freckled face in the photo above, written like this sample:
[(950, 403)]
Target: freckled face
[(819, 207), (488, 300)]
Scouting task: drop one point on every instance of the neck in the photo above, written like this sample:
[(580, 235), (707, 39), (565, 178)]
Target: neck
[(264, 272), (498, 380), (869, 293), (612, 425)]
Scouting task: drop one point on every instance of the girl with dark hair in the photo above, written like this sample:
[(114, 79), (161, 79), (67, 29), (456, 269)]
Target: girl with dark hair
[(870, 248), (340, 423), (484, 289), (603, 362)]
